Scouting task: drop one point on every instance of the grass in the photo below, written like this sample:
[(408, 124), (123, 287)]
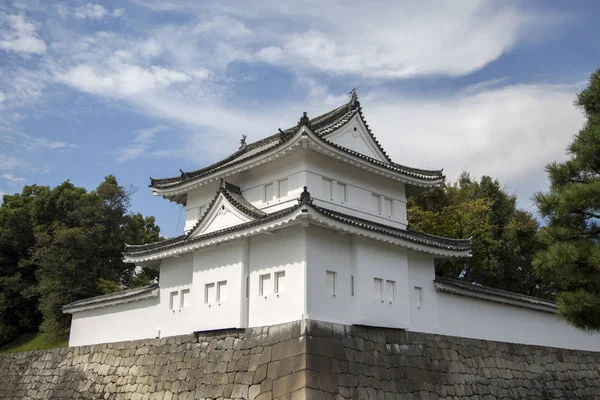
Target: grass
[(35, 341)]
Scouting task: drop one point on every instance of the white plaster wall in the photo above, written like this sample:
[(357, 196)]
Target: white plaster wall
[(328, 251), (212, 265), (380, 260), (128, 321), (307, 168), (473, 318), (360, 186), (421, 273), (197, 201), (175, 275), (284, 250)]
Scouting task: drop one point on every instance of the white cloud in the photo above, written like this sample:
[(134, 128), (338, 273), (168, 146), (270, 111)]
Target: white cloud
[(34, 144), (370, 39), (509, 132), (140, 145), (119, 79), (13, 179), (19, 36), (87, 11), (118, 12), (90, 11), (2, 97)]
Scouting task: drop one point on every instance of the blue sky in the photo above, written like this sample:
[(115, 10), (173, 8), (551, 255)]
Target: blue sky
[(143, 88)]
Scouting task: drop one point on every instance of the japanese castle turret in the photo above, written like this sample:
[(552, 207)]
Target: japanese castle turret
[(309, 223)]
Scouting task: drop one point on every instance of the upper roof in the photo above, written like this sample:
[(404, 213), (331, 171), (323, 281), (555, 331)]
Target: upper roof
[(322, 126), (304, 209)]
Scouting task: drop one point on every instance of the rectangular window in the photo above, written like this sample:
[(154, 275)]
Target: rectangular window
[(283, 188), (352, 285), (185, 298), (418, 294), (174, 301), (269, 192), (387, 207), (375, 203), (279, 282), (221, 291), (247, 286), (390, 290), (378, 288), (210, 293), (327, 189), (264, 285), (341, 193), (330, 281)]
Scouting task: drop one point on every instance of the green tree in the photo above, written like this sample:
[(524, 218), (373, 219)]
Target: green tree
[(503, 236), (64, 244), (572, 210)]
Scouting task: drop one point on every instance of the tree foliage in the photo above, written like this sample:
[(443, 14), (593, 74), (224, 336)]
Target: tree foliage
[(572, 209), (503, 236), (63, 244)]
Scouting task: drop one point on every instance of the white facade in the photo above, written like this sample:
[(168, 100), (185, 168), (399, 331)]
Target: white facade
[(253, 256)]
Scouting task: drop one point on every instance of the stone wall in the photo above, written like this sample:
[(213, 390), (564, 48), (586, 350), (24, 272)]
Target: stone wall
[(356, 362), (259, 363), (303, 360)]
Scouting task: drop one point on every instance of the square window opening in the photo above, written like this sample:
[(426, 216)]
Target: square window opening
[(264, 285), (221, 291), (279, 282), (330, 281), (378, 288), (185, 298), (209, 293)]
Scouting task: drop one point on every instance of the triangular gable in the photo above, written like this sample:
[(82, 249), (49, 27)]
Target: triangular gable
[(355, 136), (221, 214)]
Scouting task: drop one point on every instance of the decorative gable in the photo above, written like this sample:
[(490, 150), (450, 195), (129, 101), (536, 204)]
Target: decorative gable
[(355, 136), (228, 208)]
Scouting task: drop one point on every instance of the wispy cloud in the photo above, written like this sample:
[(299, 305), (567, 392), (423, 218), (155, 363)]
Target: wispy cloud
[(19, 35), (87, 11), (140, 146), (8, 162), (13, 179)]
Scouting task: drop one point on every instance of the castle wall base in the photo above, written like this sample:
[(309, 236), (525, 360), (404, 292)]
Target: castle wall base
[(302, 360)]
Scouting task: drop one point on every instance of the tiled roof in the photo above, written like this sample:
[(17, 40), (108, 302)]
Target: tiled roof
[(136, 251), (123, 296), (405, 234), (322, 126), (496, 295)]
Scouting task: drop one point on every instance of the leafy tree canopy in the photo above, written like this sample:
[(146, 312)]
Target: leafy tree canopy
[(503, 236), (572, 209), (63, 244)]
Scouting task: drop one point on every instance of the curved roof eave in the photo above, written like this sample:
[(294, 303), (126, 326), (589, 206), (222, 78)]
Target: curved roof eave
[(413, 176), (418, 241)]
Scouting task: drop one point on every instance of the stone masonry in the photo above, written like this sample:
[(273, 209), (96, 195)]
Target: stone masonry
[(302, 360)]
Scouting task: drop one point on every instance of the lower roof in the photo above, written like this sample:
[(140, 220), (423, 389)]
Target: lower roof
[(111, 299), (441, 246), (463, 288)]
